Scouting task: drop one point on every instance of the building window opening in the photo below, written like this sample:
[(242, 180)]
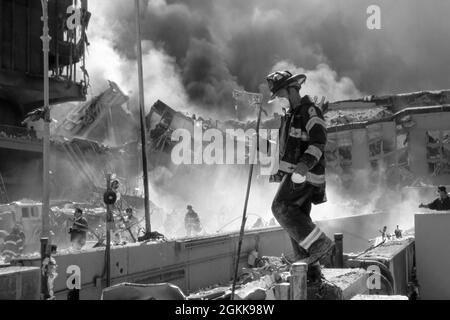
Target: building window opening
[(438, 152)]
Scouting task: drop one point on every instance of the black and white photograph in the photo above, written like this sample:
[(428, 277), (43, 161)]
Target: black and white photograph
[(224, 155)]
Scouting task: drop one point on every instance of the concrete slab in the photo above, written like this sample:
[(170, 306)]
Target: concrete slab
[(388, 250), (433, 255), (339, 284), (378, 297), (398, 257), (20, 283)]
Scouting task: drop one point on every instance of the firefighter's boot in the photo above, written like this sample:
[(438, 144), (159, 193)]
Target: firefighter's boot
[(314, 274), (299, 253), (319, 249)]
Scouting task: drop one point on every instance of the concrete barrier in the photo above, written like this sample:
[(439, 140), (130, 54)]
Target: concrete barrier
[(20, 283), (194, 264), (433, 255)]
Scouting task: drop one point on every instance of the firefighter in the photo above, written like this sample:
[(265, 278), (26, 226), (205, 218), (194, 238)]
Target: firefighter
[(301, 174), (79, 229), (440, 204), (13, 243), (192, 222)]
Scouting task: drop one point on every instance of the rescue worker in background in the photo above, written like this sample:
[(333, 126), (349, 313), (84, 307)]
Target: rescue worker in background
[(440, 204), (117, 213), (13, 244), (192, 222), (302, 140), (132, 223), (79, 229)]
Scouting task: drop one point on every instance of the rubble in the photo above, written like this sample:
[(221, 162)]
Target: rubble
[(342, 117), (378, 297), (271, 281)]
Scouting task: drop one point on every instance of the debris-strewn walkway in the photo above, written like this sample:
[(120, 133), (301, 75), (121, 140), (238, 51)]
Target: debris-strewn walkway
[(270, 279)]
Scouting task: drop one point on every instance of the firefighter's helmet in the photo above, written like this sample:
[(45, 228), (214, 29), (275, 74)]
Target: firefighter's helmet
[(281, 79)]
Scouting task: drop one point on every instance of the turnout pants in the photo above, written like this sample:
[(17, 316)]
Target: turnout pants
[(292, 207)]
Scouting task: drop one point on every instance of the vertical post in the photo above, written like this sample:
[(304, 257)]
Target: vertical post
[(298, 281), (282, 291), (108, 235), (339, 251), (46, 136), (75, 46), (148, 228)]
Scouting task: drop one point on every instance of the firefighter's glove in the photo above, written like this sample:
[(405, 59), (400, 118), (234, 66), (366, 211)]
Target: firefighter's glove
[(301, 169)]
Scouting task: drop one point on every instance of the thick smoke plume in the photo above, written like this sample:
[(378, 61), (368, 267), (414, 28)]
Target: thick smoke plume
[(197, 51)]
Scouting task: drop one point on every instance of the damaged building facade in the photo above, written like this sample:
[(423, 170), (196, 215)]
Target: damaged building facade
[(21, 90), (401, 139)]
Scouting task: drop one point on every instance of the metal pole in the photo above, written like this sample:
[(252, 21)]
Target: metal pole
[(148, 227), (46, 138), (299, 281), (45, 149), (339, 253), (108, 235), (244, 215)]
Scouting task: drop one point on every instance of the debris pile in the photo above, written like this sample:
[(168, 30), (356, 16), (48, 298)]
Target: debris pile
[(270, 279), (342, 117)]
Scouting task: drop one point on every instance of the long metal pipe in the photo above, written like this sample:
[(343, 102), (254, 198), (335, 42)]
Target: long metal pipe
[(247, 195), (109, 225), (148, 227), (46, 135)]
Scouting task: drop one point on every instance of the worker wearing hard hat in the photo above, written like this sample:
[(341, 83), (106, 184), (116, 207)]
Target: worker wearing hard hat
[(79, 229), (440, 204), (302, 140), (192, 222)]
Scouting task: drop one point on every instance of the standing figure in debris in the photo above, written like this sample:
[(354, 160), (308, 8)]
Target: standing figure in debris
[(398, 233), (302, 140), (13, 243), (132, 224), (383, 233), (192, 222), (49, 271), (440, 204), (79, 229)]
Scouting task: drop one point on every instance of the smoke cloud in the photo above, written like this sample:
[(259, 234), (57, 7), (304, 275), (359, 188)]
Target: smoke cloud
[(197, 51)]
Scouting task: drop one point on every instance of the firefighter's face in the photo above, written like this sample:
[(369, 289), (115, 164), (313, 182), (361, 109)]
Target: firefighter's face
[(282, 99), (285, 93), (282, 94), (442, 194)]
